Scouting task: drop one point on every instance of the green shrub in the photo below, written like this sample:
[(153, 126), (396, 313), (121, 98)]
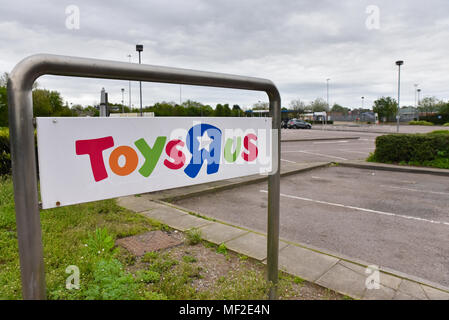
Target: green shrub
[(446, 124), (5, 152), (112, 282), (420, 123), (100, 242), (416, 148), (148, 276)]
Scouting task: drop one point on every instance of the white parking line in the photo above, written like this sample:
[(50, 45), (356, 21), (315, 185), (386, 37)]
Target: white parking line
[(362, 209), (288, 161), (315, 153), (416, 190), (333, 142), (355, 151)]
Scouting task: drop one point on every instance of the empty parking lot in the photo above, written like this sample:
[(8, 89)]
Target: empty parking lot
[(392, 219)]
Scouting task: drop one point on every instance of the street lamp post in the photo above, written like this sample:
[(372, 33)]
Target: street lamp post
[(399, 63), (416, 86), (419, 100), (129, 84), (139, 48), (363, 104), (327, 87), (123, 100)]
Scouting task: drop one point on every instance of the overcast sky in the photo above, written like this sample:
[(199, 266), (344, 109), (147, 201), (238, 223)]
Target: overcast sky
[(296, 44)]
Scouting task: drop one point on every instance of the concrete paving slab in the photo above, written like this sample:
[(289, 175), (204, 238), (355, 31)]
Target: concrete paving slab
[(402, 296), (383, 293), (252, 245), (344, 280), (185, 222), (305, 263), (412, 289), (164, 214), (218, 233), (435, 294), (385, 279), (137, 204)]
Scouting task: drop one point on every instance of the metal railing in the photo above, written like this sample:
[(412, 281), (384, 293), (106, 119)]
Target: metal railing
[(23, 155)]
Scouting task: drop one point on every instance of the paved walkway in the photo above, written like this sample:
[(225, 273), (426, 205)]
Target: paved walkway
[(342, 274)]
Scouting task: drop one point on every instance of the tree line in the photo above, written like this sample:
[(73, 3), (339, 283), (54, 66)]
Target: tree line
[(49, 103)]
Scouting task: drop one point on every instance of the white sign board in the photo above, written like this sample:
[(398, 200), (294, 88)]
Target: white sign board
[(88, 159)]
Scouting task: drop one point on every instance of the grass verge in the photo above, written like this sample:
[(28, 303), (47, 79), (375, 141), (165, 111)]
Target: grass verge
[(84, 236)]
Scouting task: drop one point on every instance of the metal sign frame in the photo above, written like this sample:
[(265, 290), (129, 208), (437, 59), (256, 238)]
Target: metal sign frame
[(23, 155)]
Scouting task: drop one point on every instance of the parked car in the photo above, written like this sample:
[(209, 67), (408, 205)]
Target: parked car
[(298, 124)]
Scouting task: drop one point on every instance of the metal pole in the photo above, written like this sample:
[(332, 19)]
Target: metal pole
[(327, 80), (416, 106), (140, 88), (129, 89), (23, 156), (274, 190), (398, 114), (419, 97), (123, 99), (399, 96)]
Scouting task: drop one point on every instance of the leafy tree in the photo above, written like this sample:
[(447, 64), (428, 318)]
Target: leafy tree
[(226, 110), (386, 107), (261, 106), (430, 105), (318, 105), (208, 111), (49, 103), (298, 105), (41, 103), (338, 108), (4, 79), (219, 111)]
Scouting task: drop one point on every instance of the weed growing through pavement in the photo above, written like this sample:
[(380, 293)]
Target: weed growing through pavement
[(193, 236)]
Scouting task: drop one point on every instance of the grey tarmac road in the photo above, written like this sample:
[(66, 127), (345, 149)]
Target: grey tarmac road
[(328, 150), (395, 220)]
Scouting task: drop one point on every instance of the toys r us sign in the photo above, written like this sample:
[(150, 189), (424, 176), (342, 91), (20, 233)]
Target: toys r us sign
[(88, 159)]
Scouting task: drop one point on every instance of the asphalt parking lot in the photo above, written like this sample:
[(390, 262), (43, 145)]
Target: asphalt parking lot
[(391, 219), (328, 150)]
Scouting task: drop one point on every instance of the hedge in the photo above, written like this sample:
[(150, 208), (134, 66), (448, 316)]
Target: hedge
[(435, 118), (417, 148), (420, 123), (319, 121), (5, 153)]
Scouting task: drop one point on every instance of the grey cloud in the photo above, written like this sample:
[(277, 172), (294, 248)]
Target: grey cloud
[(297, 44)]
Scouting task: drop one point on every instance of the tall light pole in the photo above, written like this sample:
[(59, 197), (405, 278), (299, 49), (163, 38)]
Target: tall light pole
[(129, 83), (139, 48), (123, 100), (327, 87), (399, 63), (419, 101), (416, 106), (363, 104)]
